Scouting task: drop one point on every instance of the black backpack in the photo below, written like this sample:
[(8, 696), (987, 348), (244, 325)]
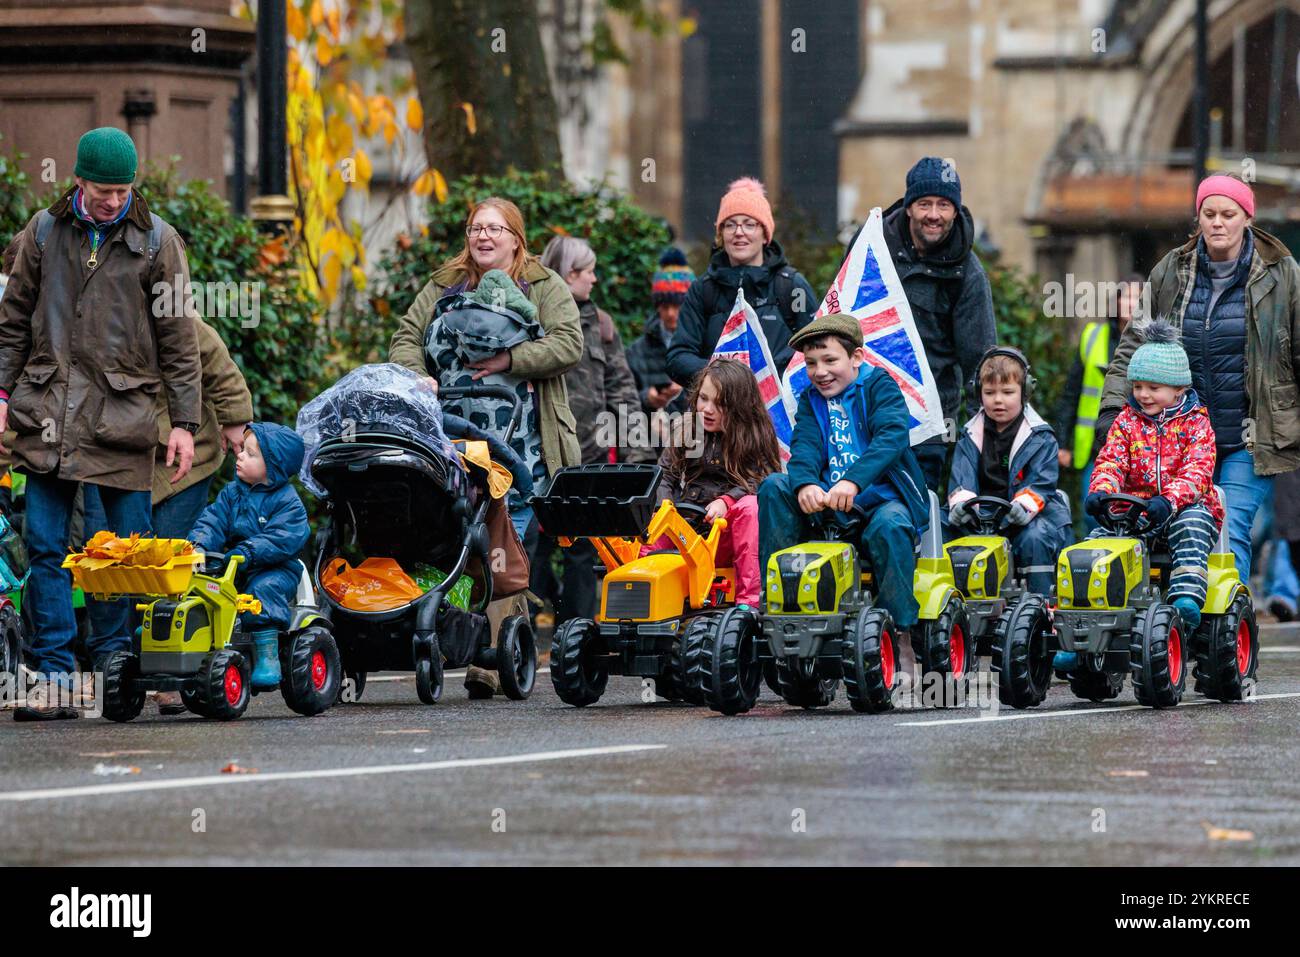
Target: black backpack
[(45, 222), (783, 286)]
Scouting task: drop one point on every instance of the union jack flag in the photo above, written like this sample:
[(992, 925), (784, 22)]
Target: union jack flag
[(742, 339), (868, 288)]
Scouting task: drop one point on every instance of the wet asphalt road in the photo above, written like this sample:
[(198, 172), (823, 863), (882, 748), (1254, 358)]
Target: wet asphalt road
[(1069, 783)]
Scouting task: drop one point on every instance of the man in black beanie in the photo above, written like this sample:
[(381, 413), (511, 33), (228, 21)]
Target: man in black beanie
[(930, 235)]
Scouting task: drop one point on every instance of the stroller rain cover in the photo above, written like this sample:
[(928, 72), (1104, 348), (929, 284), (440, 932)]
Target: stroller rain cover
[(381, 397)]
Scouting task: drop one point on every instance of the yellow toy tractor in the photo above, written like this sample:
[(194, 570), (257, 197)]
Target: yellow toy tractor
[(821, 622), (190, 640), (1111, 613), (658, 611)]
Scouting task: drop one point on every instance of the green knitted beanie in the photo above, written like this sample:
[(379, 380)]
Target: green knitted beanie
[(106, 155), (1160, 358)]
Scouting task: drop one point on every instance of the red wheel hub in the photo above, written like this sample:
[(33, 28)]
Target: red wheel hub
[(1243, 647), (1174, 649), (957, 651), (234, 685), (319, 671), (887, 658)]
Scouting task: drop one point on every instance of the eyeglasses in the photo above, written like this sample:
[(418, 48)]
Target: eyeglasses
[(493, 230), (746, 226)]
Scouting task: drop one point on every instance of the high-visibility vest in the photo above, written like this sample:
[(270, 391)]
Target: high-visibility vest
[(1094, 353)]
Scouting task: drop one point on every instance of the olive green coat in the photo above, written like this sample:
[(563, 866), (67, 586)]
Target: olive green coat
[(543, 361), (1272, 346)]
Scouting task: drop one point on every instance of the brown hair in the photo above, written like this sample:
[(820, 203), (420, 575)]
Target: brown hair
[(750, 452), (998, 369), (464, 262)]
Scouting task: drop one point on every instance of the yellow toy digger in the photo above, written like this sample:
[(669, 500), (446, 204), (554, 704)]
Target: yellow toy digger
[(658, 611), (190, 639)]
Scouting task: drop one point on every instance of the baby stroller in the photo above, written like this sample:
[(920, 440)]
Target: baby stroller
[(395, 487)]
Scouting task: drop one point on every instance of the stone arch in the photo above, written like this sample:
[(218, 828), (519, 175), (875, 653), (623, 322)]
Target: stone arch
[(1166, 67)]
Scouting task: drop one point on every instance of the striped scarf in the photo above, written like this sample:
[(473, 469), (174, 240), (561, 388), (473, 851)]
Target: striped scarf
[(97, 230)]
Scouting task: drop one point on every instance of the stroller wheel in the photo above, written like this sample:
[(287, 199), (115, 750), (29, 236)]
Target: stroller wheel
[(516, 657), (428, 675)]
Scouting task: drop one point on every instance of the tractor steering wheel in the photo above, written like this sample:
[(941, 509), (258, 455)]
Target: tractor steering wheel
[(695, 515), (988, 512), (1125, 520)]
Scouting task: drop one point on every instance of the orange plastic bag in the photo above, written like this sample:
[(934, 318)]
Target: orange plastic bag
[(377, 584)]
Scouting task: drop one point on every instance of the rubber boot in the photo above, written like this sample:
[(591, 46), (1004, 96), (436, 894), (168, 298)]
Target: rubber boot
[(1065, 661), (266, 660), (1189, 610)]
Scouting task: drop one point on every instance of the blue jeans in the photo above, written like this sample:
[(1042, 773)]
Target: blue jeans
[(1035, 547), (521, 518), (889, 541), (176, 516), (49, 514), (1246, 492)]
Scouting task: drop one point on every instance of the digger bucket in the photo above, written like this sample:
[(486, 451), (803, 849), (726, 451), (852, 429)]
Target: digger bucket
[(598, 501)]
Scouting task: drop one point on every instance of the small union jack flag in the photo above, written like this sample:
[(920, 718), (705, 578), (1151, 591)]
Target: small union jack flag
[(742, 339)]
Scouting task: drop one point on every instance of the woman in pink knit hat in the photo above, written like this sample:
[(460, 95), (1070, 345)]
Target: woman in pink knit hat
[(745, 256), (1234, 290)]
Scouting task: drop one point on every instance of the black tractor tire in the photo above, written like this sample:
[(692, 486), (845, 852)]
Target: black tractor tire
[(730, 674), (123, 701), (225, 684), (943, 645), (1158, 657), (577, 677), (870, 659), (1229, 656), (1020, 656), (1096, 685), (311, 671)]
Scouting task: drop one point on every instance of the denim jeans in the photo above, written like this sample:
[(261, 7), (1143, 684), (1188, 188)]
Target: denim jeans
[(888, 541), (49, 514), (1089, 523), (1246, 492)]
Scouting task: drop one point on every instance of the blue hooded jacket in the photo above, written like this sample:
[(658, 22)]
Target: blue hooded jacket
[(880, 417), (266, 523), (1033, 472)]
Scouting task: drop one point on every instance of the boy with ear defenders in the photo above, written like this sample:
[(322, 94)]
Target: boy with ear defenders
[(1007, 450)]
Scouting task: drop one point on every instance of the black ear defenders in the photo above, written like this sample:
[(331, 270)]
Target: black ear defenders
[(1011, 352)]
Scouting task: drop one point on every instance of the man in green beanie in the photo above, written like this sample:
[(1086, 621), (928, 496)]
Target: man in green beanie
[(89, 340)]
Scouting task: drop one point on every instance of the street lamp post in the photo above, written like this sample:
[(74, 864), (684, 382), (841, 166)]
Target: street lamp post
[(1201, 93), (272, 206)]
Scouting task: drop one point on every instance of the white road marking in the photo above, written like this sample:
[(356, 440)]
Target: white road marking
[(211, 780), (1021, 715), (1281, 650)]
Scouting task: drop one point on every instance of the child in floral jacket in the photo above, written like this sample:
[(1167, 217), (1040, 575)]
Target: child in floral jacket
[(1161, 448)]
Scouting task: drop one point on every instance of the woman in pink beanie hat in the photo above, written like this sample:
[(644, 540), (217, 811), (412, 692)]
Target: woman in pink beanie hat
[(1234, 292), (745, 256)]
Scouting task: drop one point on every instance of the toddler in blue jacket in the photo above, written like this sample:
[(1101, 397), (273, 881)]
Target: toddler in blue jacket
[(260, 516)]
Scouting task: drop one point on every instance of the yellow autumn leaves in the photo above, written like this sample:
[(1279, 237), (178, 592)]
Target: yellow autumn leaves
[(331, 115), (105, 549)]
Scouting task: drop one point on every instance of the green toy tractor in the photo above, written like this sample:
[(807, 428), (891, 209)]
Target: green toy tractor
[(191, 641)]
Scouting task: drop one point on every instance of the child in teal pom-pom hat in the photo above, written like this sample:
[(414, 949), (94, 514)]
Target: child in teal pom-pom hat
[(1161, 448)]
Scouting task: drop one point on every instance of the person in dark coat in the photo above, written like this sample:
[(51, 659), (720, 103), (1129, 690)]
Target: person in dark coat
[(647, 357), (260, 516), (745, 256), (1009, 451), (931, 238)]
